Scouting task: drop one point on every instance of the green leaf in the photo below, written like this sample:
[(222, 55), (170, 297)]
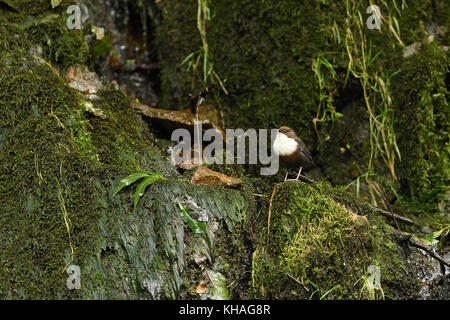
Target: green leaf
[(56, 3), (198, 227), (130, 179), (143, 185), (338, 115), (189, 57), (432, 237)]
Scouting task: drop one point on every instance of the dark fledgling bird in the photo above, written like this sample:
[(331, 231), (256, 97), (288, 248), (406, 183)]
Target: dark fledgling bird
[(292, 151)]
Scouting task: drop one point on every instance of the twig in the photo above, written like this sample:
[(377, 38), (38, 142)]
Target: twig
[(307, 179), (270, 213), (430, 252), (393, 216), (406, 237), (297, 281), (258, 195)]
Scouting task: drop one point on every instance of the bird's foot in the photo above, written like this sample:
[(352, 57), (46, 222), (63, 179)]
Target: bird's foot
[(299, 172)]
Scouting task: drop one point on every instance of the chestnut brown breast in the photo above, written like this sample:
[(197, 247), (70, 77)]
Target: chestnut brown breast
[(291, 161)]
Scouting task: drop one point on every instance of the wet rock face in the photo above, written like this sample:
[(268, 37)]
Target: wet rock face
[(434, 279), (127, 54), (63, 165), (156, 254)]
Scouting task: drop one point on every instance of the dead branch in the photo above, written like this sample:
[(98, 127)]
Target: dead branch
[(429, 251), (297, 281), (393, 216), (270, 213)]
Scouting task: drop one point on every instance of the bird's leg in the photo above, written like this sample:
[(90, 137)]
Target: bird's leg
[(299, 172), (285, 177)]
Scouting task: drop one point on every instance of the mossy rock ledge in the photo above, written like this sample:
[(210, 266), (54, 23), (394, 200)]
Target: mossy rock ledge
[(60, 166), (320, 244)]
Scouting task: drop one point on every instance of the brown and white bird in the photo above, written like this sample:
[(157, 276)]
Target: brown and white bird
[(292, 151)]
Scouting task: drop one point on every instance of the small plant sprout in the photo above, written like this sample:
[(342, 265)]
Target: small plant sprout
[(372, 284), (148, 179), (197, 227)]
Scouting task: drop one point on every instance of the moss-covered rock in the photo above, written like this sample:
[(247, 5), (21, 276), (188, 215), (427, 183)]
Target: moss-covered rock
[(60, 166), (423, 125), (321, 242)]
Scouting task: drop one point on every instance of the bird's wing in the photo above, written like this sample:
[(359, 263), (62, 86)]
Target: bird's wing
[(304, 151)]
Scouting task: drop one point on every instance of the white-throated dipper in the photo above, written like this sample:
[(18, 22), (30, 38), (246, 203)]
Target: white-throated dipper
[(292, 151)]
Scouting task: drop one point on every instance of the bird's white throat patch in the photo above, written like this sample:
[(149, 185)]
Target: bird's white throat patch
[(283, 145)]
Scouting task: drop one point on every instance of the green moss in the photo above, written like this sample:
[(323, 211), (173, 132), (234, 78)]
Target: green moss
[(61, 45), (265, 50), (322, 237), (56, 158), (42, 166), (422, 125), (24, 32)]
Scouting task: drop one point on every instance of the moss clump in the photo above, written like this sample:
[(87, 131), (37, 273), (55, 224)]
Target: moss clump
[(327, 244), (423, 126), (61, 45), (45, 173), (42, 32)]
